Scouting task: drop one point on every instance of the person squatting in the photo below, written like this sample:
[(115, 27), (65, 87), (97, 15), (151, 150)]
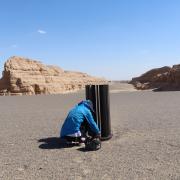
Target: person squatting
[(80, 126)]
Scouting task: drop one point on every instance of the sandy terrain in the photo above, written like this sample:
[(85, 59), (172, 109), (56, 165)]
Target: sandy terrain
[(120, 87), (145, 145)]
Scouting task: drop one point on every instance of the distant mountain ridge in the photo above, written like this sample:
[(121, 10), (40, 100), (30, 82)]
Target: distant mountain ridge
[(23, 76), (162, 79)]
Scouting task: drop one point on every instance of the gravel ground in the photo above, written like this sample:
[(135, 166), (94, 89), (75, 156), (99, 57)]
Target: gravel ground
[(145, 144)]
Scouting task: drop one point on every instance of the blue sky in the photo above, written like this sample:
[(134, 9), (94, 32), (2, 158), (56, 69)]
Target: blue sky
[(115, 39)]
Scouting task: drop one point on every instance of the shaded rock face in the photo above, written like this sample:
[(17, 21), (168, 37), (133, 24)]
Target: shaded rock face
[(165, 79), (29, 77)]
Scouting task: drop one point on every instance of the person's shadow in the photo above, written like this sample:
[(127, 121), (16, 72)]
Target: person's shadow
[(57, 143), (53, 143)]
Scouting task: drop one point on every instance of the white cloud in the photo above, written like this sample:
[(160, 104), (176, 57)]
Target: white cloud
[(41, 31)]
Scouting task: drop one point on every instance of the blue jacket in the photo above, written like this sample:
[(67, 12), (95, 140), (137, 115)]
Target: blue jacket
[(76, 116)]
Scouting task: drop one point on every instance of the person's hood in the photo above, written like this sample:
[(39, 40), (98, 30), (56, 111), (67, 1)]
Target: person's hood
[(88, 104)]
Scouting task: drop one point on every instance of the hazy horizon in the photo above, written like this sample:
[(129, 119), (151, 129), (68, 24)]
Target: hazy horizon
[(114, 39), (1, 70)]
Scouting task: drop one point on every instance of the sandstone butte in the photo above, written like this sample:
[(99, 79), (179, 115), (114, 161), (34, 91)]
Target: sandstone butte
[(159, 79), (22, 76)]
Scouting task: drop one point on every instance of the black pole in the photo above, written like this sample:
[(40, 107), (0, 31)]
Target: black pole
[(99, 95), (91, 95), (105, 112)]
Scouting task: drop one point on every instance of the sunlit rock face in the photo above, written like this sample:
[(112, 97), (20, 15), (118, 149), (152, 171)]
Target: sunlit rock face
[(164, 79), (22, 76)]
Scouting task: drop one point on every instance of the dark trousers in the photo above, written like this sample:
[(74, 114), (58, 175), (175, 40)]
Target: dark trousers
[(85, 131)]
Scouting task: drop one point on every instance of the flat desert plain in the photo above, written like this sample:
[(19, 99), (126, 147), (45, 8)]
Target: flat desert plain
[(145, 143)]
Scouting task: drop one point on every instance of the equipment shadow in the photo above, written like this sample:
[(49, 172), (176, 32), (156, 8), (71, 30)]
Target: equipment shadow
[(82, 149), (53, 143)]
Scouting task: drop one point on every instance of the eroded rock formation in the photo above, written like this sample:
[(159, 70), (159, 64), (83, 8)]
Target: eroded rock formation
[(23, 76), (162, 79)]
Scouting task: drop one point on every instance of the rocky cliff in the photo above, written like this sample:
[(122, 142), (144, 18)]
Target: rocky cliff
[(23, 76), (165, 79)]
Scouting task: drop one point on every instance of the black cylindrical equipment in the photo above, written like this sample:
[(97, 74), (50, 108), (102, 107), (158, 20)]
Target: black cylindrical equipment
[(99, 95)]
